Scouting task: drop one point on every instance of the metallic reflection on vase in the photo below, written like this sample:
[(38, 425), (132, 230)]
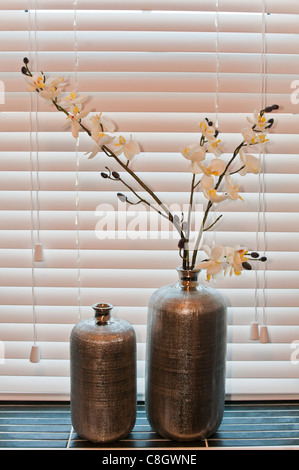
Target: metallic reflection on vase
[(185, 359), (103, 377)]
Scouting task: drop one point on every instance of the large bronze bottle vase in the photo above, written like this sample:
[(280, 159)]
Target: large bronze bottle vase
[(185, 359)]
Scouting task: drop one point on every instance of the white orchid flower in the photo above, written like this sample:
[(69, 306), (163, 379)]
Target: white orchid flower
[(232, 189), (252, 137), (235, 256), (251, 164), (103, 139), (195, 153), (214, 265), (55, 82), (129, 149), (94, 152), (262, 139), (249, 135), (75, 119), (216, 168), (52, 88), (207, 130), (214, 147), (49, 94), (259, 122), (100, 123), (36, 82), (73, 100), (213, 196)]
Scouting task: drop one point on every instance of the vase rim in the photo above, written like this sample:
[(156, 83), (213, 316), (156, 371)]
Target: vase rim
[(102, 312), (102, 306), (182, 270)]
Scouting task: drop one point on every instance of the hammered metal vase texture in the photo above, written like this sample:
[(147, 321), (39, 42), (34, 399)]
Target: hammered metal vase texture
[(103, 377), (185, 359)]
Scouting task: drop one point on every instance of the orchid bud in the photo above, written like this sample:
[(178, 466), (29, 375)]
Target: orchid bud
[(122, 197), (115, 175), (246, 265), (270, 123), (269, 109)]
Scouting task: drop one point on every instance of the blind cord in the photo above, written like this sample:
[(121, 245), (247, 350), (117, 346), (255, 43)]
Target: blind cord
[(262, 335), (77, 198), (264, 338), (38, 247), (35, 255), (216, 104)]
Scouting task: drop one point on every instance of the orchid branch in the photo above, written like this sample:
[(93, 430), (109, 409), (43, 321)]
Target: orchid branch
[(215, 222), (209, 142), (210, 204), (167, 214), (114, 176)]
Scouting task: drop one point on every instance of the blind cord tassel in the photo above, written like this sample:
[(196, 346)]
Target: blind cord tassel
[(260, 333), (264, 335), (38, 252), (35, 354), (254, 330)]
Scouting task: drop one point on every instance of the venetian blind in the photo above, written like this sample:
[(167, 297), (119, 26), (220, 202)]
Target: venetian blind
[(155, 68)]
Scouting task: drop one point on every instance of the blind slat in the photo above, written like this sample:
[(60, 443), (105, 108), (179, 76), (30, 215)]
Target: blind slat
[(272, 6), (150, 21), (154, 41), (125, 61)]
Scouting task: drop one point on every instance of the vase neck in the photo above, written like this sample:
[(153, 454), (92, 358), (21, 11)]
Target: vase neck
[(188, 278), (102, 313)]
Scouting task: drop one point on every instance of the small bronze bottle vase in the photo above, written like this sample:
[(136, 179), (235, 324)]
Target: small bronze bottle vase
[(103, 377), (185, 359)]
